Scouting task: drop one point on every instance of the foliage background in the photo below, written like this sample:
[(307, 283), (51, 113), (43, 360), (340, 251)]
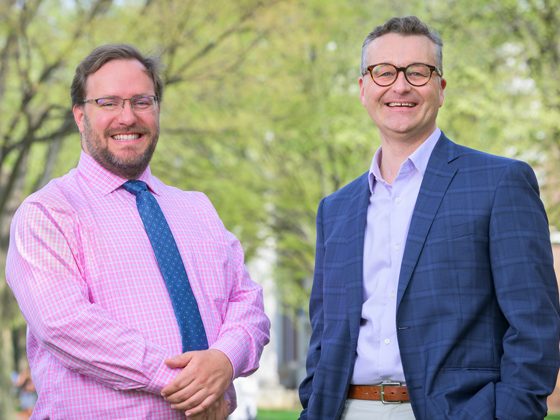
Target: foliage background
[(261, 106)]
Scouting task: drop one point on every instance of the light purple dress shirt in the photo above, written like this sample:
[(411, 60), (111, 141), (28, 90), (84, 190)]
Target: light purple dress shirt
[(388, 219)]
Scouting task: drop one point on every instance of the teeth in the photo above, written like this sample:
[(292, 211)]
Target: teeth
[(124, 137), (406, 104)]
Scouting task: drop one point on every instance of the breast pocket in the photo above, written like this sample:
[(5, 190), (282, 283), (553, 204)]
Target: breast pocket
[(462, 230), (456, 242)]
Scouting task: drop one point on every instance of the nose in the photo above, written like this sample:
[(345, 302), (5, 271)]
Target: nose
[(126, 114), (401, 84)]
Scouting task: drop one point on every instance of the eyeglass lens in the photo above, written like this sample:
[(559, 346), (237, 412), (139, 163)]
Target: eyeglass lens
[(415, 74), (137, 103)]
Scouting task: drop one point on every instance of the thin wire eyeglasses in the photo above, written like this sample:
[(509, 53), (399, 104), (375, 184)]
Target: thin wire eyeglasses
[(417, 74), (138, 103)]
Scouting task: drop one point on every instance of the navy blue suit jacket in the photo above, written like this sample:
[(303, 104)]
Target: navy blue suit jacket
[(477, 304)]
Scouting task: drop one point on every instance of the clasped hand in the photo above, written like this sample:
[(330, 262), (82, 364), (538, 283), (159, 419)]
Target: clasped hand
[(199, 388)]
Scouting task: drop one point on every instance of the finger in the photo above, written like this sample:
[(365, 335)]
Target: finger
[(179, 361), (193, 401), (210, 413), (181, 381), (182, 396), (214, 412), (224, 410), (181, 389), (204, 405), (202, 416)]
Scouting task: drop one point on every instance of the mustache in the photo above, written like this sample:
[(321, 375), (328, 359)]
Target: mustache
[(132, 129)]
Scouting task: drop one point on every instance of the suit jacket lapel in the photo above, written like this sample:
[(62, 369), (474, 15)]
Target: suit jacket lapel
[(436, 180)]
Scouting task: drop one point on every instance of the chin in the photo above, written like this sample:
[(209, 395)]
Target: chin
[(128, 171)]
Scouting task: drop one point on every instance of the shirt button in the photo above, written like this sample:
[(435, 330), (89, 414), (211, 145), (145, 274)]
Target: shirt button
[(387, 341), (398, 200)]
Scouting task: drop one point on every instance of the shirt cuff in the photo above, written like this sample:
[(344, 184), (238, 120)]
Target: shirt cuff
[(237, 352), (160, 375)]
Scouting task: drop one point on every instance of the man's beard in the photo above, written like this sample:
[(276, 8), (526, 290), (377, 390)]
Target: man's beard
[(129, 169)]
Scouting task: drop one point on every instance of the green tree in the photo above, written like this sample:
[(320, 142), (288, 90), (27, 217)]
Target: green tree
[(261, 109), (500, 61), (320, 137), (33, 123), (504, 58), (203, 145)]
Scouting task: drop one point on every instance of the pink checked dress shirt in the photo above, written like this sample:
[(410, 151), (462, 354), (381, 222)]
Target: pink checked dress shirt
[(100, 318)]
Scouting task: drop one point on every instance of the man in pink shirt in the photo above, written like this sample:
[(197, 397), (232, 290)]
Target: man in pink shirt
[(103, 339)]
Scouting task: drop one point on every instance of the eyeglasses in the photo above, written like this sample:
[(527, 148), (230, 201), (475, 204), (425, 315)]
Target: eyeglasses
[(417, 74), (138, 103)]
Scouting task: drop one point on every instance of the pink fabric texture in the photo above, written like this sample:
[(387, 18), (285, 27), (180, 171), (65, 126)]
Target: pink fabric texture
[(100, 318)]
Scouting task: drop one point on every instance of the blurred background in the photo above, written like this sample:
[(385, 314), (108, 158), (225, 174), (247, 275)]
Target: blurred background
[(261, 111)]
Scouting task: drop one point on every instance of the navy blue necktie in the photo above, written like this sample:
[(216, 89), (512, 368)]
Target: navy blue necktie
[(171, 267)]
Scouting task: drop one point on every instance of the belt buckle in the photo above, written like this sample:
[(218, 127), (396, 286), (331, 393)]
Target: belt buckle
[(382, 385)]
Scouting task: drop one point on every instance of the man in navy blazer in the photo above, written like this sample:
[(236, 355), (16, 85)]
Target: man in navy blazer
[(434, 294)]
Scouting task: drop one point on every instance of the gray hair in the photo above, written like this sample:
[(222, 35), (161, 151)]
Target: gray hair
[(408, 25), (101, 56)]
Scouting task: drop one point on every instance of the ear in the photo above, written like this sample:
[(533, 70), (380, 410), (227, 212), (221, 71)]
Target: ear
[(362, 88), (78, 111), (443, 84)]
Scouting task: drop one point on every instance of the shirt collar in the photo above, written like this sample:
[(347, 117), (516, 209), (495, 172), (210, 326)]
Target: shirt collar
[(105, 181), (418, 159)]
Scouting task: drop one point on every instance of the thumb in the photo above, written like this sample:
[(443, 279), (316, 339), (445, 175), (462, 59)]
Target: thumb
[(179, 361)]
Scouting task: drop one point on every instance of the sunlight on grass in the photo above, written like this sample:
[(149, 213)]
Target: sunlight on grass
[(277, 415), (293, 415)]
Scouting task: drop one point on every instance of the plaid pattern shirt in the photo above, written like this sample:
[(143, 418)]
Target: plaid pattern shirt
[(100, 318)]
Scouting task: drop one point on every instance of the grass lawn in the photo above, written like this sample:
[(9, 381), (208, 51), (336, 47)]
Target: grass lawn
[(293, 415), (280, 415)]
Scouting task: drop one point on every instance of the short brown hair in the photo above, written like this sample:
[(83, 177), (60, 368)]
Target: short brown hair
[(407, 25), (101, 56)]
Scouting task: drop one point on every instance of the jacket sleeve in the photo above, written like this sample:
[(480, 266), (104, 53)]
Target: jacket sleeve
[(527, 293), (44, 272), (316, 317)]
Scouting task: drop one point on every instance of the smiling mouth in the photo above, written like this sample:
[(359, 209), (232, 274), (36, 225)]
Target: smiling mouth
[(401, 104), (126, 137)]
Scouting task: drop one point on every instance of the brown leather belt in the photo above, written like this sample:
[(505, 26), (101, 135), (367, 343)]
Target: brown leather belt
[(386, 393)]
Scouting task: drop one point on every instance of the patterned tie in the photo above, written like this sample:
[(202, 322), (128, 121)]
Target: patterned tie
[(171, 267)]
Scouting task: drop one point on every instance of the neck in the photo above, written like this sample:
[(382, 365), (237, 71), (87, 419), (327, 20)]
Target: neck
[(393, 154)]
